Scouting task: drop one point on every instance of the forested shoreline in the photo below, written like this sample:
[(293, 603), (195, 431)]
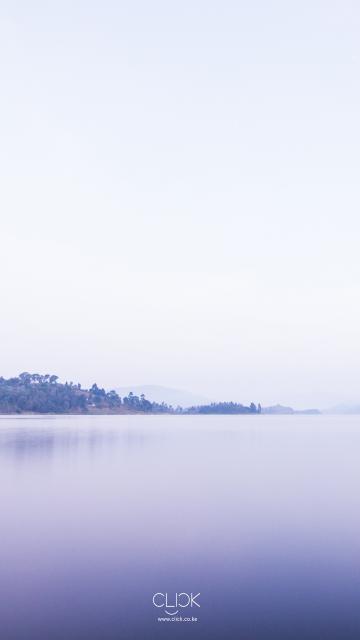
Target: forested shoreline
[(37, 393)]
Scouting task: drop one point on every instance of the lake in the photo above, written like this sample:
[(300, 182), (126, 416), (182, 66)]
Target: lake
[(102, 516)]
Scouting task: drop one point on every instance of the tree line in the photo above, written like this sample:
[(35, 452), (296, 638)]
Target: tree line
[(225, 407), (37, 393)]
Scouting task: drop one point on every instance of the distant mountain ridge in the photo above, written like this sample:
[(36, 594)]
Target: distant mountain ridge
[(157, 393)]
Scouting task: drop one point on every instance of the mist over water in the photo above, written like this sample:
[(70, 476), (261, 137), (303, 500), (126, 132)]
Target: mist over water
[(257, 513)]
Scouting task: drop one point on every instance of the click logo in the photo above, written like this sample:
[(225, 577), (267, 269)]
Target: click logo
[(173, 604)]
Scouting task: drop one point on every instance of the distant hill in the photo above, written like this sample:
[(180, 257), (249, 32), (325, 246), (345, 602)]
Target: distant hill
[(156, 393), (279, 409)]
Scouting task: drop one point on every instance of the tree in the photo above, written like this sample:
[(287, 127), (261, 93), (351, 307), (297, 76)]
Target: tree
[(25, 377)]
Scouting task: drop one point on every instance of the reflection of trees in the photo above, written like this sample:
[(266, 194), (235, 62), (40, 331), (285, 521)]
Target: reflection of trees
[(29, 441)]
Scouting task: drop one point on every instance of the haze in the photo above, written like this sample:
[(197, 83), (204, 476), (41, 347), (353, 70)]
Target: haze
[(180, 196)]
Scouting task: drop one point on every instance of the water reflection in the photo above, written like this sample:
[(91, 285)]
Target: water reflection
[(34, 437), (260, 516)]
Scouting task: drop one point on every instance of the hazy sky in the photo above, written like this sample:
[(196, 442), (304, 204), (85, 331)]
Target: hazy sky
[(180, 195)]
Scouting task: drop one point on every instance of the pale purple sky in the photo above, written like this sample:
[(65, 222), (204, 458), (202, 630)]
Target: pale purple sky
[(180, 196)]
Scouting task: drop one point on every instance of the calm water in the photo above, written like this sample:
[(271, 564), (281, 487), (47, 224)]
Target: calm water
[(259, 514)]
